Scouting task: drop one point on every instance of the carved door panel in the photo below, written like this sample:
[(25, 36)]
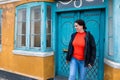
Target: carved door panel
[(65, 28)]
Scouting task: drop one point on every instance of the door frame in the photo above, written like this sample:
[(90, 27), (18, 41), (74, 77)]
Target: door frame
[(103, 33)]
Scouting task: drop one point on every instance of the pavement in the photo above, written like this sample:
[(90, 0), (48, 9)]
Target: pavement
[(3, 78), (60, 78), (56, 78)]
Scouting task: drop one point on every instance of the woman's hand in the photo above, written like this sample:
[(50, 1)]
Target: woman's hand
[(89, 65), (67, 62)]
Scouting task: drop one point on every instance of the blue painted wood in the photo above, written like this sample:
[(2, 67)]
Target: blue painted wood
[(27, 28), (53, 26), (1, 26), (43, 27), (95, 23), (65, 28), (17, 9), (102, 41)]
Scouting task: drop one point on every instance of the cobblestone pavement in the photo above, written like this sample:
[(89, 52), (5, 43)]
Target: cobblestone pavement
[(60, 78)]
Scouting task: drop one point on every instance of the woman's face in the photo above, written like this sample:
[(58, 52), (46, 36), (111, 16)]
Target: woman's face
[(78, 27)]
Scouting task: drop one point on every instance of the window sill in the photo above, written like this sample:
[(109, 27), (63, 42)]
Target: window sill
[(33, 53), (112, 63)]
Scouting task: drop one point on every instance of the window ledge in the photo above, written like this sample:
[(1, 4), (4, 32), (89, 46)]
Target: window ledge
[(7, 1), (33, 53), (112, 63)]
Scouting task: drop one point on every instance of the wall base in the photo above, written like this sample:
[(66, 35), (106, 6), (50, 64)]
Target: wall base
[(4, 75), (111, 73)]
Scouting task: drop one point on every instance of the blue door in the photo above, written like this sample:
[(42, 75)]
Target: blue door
[(94, 20), (65, 28)]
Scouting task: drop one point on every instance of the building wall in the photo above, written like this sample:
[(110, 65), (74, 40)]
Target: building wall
[(39, 67), (43, 67), (111, 73)]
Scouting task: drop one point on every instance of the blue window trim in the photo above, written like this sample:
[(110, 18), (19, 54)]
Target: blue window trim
[(1, 28), (43, 26)]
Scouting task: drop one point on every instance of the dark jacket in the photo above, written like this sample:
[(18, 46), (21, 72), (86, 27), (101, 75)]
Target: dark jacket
[(90, 49)]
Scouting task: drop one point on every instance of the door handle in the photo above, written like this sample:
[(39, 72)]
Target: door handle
[(65, 50)]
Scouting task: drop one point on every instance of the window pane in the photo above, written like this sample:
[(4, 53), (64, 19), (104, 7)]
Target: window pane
[(21, 15), (110, 28), (21, 41), (48, 27), (110, 47), (37, 41), (48, 40), (35, 27), (110, 7), (35, 13), (49, 12), (21, 28)]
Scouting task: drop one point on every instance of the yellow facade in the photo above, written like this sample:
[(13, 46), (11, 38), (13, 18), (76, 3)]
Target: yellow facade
[(40, 68), (111, 73)]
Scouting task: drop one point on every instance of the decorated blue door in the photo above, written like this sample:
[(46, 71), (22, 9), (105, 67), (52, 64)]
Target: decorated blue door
[(94, 20)]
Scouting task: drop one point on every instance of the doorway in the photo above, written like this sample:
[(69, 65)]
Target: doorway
[(95, 22)]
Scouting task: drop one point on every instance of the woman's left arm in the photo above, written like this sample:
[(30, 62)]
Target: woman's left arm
[(93, 50)]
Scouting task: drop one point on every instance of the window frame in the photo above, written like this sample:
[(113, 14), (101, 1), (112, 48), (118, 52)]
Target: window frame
[(43, 25), (1, 27), (48, 26)]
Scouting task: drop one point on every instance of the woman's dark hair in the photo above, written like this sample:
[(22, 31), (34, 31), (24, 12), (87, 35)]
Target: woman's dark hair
[(81, 22)]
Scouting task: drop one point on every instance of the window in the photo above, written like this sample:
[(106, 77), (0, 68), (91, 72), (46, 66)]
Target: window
[(110, 28), (48, 28), (35, 27), (31, 27), (21, 28), (0, 26)]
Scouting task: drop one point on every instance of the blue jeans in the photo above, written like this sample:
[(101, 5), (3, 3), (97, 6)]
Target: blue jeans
[(77, 68)]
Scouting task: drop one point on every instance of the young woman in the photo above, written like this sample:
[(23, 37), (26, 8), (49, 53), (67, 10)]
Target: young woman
[(81, 51)]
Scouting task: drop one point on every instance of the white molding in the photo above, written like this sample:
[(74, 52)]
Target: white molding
[(8, 1), (111, 63), (33, 53)]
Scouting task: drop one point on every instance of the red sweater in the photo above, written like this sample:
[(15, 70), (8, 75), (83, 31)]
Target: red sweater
[(79, 45)]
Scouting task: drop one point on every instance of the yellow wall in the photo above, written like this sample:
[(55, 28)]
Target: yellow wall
[(40, 67), (111, 73)]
